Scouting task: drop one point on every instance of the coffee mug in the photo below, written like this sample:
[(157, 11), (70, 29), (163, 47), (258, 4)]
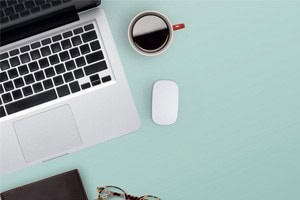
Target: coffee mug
[(150, 33)]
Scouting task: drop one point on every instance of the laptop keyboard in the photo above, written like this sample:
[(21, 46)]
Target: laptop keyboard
[(11, 10), (51, 68)]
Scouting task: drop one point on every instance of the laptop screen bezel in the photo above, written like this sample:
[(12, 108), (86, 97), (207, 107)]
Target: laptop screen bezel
[(9, 32)]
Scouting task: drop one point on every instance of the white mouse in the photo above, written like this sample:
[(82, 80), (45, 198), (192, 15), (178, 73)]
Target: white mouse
[(165, 97)]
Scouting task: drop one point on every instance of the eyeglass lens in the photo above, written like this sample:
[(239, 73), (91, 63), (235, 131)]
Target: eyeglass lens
[(150, 33), (112, 193)]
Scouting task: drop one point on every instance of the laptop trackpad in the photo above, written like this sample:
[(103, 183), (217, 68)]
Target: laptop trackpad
[(47, 133)]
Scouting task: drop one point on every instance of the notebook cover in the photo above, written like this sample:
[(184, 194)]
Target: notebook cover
[(65, 186)]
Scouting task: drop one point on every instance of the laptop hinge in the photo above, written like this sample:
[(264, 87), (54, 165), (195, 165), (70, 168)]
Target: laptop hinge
[(39, 25)]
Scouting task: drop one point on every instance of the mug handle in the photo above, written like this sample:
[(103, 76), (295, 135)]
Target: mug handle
[(178, 27)]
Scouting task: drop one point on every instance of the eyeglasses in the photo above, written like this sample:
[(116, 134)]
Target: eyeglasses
[(116, 193)]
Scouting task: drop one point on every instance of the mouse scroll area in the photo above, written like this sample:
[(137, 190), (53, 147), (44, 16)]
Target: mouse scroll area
[(165, 98)]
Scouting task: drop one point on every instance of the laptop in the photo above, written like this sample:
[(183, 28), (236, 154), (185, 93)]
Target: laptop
[(62, 84)]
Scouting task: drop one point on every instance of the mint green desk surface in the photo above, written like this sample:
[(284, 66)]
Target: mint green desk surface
[(237, 64)]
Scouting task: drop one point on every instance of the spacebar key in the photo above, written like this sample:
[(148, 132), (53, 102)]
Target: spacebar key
[(31, 101)]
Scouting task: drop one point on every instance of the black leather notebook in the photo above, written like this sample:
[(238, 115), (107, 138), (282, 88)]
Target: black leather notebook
[(65, 186)]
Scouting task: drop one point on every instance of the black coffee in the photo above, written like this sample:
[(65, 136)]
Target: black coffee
[(150, 33)]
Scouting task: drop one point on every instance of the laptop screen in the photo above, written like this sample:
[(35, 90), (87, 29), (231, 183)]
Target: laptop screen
[(23, 13)]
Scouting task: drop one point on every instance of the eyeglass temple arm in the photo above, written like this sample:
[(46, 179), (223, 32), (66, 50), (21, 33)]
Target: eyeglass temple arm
[(130, 197)]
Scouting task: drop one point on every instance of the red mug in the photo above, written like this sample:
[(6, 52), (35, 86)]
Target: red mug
[(150, 33)]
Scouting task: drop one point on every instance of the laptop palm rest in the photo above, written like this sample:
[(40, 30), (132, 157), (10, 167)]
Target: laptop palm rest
[(47, 133)]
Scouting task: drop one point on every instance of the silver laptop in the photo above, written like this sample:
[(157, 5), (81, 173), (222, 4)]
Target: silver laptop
[(62, 85)]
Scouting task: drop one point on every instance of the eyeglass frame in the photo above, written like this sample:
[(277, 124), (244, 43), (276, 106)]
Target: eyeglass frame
[(127, 196)]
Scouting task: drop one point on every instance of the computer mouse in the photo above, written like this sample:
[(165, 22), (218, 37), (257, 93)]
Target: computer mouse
[(165, 97)]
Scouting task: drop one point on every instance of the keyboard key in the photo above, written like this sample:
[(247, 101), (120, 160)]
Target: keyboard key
[(78, 30), (4, 65), (44, 63), (25, 58), (63, 90), (20, 7), (35, 54), (64, 56), (8, 86), (74, 86), (55, 3), (68, 77), (74, 52), (48, 84), (59, 68), (27, 91), (13, 17), (4, 20), (46, 41), (96, 67), (96, 83), (17, 94), (35, 10), (67, 34), (46, 6), (2, 111), (95, 45), (14, 61), (9, 11), (31, 101), (23, 70), (3, 4), (45, 51), (33, 66), (35, 45), (80, 62), (3, 77), (2, 15), (24, 13), (76, 40), (13, 73), (55, 47), (54, 59), (85, 86), (66, 44), (93, 57), (106, 79), (37, 87), (89, 36), (29, 79), (39, 75), (95, 79), (78, 73), (11, 2), (58, 80), (40, 2), (85, 49), (25, 48), (29, 4), (49, 72), (1, 90), (19, 82), (56, 38), (70, 65), (88, 27), (14, 52), (3, 56), (6, 98)]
